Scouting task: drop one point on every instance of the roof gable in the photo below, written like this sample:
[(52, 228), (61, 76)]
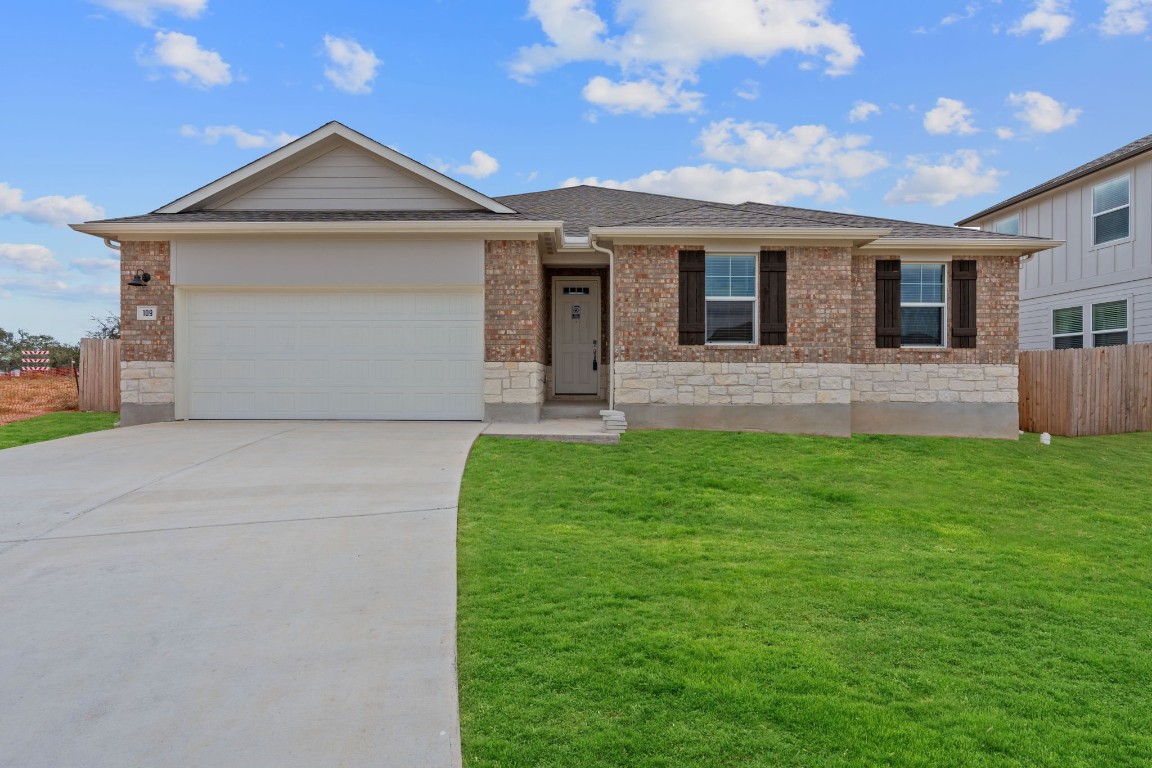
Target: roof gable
[(334, 168)]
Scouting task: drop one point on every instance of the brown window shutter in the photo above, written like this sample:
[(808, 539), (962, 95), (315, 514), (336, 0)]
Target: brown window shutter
[(773, 298), (887, 303), (691, 297), (964, 304)]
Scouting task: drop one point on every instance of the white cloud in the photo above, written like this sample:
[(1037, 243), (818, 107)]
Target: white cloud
[(961, 174), (211, 134), (144, 12), (190, 64), (664, 42), (95, 266), (34, 258), (1042, 113), (735, 185), (642, 96), (56, 288), (749, 90), (812, 150), (1048, 17), (353, 67), (861, 111), (56, 210), (949, 116), (970, 10), (1005, 133), (482, 165), (1126, 17)]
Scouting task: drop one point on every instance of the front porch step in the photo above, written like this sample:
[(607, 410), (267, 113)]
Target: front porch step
[(572, 409)]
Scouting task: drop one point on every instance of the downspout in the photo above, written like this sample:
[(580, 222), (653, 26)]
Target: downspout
[(611, 319), (108, 242)]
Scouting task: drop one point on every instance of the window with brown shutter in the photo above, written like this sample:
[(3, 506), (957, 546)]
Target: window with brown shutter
[(773, 298), (964, 304), (691, 298), (887, 303)]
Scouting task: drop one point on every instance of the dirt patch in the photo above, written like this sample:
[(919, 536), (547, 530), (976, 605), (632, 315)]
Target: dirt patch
[(35, 394)]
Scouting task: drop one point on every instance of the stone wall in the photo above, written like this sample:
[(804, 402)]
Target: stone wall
[(515, 330), (694, 383), (934, 383), (513, 383)]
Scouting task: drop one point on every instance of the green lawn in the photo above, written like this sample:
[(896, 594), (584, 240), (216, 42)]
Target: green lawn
[(720, 599), (54, 425)]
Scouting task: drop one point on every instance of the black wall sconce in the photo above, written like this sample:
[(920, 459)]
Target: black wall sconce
[(139, 278)]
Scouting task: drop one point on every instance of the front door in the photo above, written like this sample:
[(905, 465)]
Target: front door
[(576, 336)]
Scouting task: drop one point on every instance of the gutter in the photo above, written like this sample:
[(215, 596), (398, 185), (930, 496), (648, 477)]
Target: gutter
[(611, 319), (121, 230)]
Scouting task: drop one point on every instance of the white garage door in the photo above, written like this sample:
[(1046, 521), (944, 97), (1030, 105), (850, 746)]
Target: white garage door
[(406, 354)]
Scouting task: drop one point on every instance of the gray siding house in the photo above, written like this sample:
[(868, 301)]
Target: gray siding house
[(1096, 289)]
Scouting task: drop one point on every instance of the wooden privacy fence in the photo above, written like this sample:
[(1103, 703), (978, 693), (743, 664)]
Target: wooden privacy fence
[(100, 374), (1075, 392)]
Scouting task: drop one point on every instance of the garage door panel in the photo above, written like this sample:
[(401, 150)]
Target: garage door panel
[(324, 355)]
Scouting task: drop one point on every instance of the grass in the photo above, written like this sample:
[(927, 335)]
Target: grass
[(720, 599), (52, 426)]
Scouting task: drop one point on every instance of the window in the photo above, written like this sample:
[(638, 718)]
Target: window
[(1068, 328), (922, 302), (1007, 226), (1110, 324), (1110, 211), (730, 299)]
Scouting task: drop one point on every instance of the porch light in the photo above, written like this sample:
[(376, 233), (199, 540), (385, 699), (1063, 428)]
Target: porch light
[(139, 278)]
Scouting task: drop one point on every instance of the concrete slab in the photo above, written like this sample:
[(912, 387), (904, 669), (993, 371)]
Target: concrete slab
[(578, 430), (233, 594)]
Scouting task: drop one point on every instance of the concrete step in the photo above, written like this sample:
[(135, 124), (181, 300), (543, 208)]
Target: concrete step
[(571, 409)]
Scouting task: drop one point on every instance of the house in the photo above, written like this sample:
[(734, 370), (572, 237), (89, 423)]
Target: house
[(1094, 289), (335, 278)]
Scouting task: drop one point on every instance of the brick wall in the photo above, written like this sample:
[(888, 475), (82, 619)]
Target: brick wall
[(514, 321), (647, 310), (146, 340), (997, 316)]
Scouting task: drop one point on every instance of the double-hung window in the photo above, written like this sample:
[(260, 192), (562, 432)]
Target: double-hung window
[(1111, 210), (1068, 328), (730, 299), (922, 302), (1007, 226), (1110, 323)]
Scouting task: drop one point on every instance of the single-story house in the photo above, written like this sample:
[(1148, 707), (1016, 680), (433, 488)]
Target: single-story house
[(335, 278)]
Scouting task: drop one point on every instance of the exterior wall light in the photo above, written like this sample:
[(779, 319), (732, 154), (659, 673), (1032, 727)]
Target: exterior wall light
[(139, 278)]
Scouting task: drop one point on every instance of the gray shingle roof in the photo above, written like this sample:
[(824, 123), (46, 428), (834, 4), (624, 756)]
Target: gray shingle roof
[(586, 206), (900, 229), (1112, 158)]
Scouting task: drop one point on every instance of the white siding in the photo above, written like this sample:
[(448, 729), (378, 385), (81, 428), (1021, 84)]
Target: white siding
[(1079, 272), (345, 179), (1036, 314), (327, 262)]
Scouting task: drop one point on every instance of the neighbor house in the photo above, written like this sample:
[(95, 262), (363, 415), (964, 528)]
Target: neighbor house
[(335, 278), (1094, 289)]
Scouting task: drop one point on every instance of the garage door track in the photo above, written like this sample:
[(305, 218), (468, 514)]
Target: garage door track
[(232, 594)]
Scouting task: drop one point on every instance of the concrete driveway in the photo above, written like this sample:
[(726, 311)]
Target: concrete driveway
[(231, 594)]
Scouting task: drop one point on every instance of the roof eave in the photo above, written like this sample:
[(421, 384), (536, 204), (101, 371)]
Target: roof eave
[(961, 245), (143, 230)]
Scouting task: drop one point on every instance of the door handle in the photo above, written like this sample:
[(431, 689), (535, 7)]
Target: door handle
[(595, 357)]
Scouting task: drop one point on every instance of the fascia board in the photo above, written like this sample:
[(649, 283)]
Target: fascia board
[(960, 245), (161, 230), (854, 235)]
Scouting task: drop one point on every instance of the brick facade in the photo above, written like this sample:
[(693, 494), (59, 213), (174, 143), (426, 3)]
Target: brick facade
[(146, 340), (648, 295), (997, 316), (514, 322)]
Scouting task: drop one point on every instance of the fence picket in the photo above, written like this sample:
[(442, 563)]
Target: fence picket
[(99, 374)]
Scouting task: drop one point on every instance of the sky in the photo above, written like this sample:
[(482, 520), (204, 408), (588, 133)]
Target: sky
[(925, 111)]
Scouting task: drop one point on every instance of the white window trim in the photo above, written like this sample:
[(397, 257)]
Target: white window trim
[(942, 305), (754, 300), (1093, 215), (1052, 324), (1019, 223), (1126, 330)]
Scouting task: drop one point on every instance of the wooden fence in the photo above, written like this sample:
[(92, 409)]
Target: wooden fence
[(99, 375), (1075, 392)]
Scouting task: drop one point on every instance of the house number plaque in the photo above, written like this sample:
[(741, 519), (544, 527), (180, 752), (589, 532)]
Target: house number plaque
[(145, 313)]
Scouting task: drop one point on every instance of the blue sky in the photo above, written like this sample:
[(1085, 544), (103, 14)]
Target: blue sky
[(925, 111)]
